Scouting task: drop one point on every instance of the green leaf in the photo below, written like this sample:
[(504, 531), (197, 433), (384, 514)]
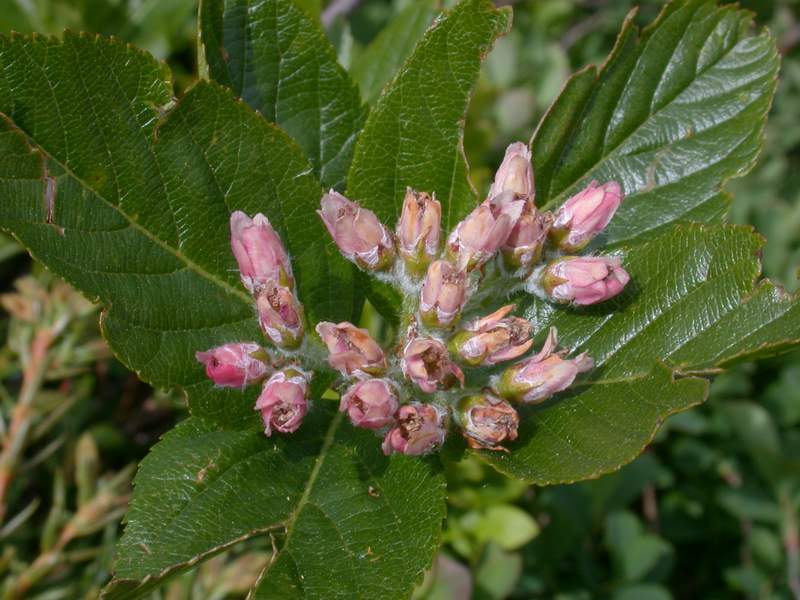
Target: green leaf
[(143, 197), (693, 304), (672, 114), (413, 136), (378, 63), (348, 521), (279, 61)]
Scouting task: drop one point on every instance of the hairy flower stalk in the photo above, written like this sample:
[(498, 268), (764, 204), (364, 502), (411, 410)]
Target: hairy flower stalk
[(409, 391)]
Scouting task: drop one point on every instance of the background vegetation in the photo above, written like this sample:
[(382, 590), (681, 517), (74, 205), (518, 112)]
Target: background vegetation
[(709, 511)]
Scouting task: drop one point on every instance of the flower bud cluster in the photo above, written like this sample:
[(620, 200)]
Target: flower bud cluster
[(445, 368)]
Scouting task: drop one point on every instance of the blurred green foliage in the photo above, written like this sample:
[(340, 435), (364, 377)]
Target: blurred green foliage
[(709, 511)]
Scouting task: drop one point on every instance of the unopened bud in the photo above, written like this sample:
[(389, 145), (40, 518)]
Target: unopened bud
[(536, 379), (280, 316), (421, 428), (371, 403), (487, 421), (427, 363), (351, 350), (357, 232), (443, 295), (493, 339), (284, 401), (525, 243), (479, 236), (515, 173), (418, 230), (585, 215), (233, 365), (584, 280), (258, 250)]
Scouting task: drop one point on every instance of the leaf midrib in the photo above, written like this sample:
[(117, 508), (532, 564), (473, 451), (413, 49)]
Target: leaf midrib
[(291, 521), (191, 265)]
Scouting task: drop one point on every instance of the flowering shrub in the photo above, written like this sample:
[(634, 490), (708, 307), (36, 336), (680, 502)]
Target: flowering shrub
[(137, 199)]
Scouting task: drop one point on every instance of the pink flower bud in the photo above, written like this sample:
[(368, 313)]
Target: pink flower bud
[(421, 428), (585, 215), (351, 350), (525, 243), (478, 237), (427, 363), (536, 379), (584, 279), (280, 316), (259, 252), (515, 173), (418, 230), (284, 401), (233, 365), (493, 339), (358, 233), (443, 295), (487, 421), (371, 403)]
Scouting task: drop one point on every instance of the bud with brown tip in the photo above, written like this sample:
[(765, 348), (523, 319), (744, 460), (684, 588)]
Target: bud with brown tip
[(443, 295), (357, 232), (427, 363), (280, 316), (421, 428), (351, 350), (538, 378), (487, 421), (493, 339), (371, 403), (284, 401), (418, 230), (584, 280)]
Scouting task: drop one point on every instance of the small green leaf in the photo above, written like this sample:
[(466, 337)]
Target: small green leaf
[(348, 521), (413, 136), (673, 113), (378, 63), (279, 61)]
